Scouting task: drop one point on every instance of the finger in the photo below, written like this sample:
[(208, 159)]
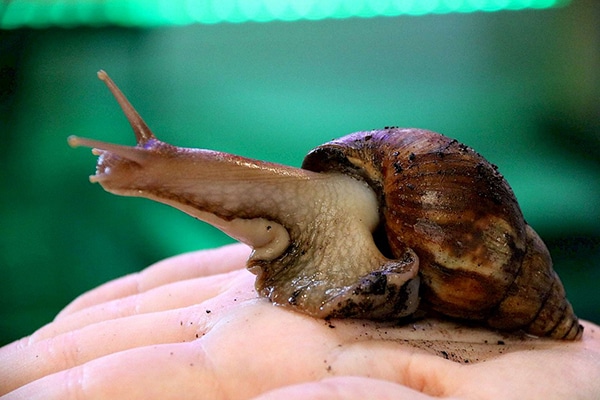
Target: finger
[(195, 264), (181, 267), (166, 297), (345, 388), (23, 362), (23, 365), (171, 371)]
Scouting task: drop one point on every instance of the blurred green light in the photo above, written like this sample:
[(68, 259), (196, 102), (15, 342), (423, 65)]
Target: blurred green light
[(149, 13)]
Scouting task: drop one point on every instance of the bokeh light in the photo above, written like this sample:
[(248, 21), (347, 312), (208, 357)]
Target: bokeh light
[(152, 13)]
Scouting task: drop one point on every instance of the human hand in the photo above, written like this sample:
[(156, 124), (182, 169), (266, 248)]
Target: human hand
[(192, 326)]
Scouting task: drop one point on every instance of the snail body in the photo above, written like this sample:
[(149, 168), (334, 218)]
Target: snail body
[(375, 225)]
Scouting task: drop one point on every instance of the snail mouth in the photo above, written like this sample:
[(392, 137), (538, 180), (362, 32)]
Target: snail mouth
[(115, 162), (108, 164), (103, 169)]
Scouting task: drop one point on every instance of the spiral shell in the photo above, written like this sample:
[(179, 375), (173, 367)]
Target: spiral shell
[(479, 259)]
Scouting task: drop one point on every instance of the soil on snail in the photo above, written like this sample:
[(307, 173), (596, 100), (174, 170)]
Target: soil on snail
[(375, 284)]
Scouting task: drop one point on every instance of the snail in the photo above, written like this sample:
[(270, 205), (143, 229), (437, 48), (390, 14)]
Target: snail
[(375, 225)]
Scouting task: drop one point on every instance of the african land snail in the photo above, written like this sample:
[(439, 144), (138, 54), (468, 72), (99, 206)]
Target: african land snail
[(374, 225)]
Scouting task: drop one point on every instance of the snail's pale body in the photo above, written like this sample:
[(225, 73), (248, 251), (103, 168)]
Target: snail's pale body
[(375, 225)]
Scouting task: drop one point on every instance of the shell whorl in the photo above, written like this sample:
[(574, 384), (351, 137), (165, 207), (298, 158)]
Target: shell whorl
[(479, 260)]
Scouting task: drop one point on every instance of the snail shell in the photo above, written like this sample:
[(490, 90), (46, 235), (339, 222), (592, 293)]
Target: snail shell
[(374, 225), (478, 258)]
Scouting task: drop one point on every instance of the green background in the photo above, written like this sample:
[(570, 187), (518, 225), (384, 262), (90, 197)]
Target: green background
[(521, 87)]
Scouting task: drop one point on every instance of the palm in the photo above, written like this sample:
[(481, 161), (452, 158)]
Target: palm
[(193, 327)]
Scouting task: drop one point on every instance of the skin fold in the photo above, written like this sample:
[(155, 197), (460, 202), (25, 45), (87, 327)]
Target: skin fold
[(192, 326)]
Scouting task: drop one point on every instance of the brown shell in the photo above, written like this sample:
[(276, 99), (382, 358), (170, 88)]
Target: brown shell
[(479, 260)]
